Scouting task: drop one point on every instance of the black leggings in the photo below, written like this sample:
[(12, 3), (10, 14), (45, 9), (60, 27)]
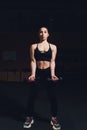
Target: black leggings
[(42, 81)]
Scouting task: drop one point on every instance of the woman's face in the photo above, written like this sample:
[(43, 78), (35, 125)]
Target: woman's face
[(43, 33)]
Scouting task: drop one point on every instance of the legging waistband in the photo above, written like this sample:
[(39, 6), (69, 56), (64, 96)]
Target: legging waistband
[(44, 73)]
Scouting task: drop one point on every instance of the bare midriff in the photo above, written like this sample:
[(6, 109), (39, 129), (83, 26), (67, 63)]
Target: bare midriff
[(43, 64)]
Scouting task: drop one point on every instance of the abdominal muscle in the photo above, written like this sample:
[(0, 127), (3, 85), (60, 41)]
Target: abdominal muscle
[(43, 64)]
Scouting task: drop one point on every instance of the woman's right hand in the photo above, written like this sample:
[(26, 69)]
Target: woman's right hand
[(31, 78)]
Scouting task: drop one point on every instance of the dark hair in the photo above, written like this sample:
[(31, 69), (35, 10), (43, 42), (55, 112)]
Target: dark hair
[(43, 27)]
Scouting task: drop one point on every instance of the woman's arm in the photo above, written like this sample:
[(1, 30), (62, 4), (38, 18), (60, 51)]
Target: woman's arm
[(52, 66), (33, 63)]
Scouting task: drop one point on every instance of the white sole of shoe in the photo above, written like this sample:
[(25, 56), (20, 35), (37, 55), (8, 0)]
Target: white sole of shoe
[(24, 126), (54, 126)]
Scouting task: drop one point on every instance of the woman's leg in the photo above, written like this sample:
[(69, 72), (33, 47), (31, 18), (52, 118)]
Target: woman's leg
[(52, 95), (52, 91), (33, 90)]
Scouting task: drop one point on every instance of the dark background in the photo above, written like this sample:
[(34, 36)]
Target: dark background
[(19, 23), (66, 21)]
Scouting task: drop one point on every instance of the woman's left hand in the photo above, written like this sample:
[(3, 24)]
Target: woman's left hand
[(54, 78)]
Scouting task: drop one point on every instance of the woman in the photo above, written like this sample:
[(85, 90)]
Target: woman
[(43, 55)]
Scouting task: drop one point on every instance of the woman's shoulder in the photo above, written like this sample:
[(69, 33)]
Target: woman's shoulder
[(53, 46), (34, 45)]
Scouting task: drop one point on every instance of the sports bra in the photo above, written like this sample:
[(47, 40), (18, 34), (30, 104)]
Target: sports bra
[(43, 56)]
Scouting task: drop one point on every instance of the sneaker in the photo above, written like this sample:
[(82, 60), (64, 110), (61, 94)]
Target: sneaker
[(55, 124), (28, 123)]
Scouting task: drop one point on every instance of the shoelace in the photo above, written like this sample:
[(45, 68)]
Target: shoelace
[(55, 121), (28, 119)]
